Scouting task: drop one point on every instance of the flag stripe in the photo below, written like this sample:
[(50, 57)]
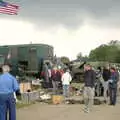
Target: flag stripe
[(10, 13), (8, 9)]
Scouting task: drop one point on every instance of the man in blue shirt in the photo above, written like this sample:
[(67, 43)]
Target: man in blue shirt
[(8, 85)]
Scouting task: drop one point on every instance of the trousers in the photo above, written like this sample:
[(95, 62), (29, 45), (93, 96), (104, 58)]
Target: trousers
[(7, 104), (55, 86), (88, 97), (113, 95), (106, 88)]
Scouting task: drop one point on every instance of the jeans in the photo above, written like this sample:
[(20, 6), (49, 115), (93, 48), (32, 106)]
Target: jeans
[(106, 87), (113, 95), (88, 97), (98, 88), (66, 90), (7, 103)]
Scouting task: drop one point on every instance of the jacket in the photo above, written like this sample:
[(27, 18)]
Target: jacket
[(66, 78), (114, 78), (106, 74), (56, 76), (89, 78)]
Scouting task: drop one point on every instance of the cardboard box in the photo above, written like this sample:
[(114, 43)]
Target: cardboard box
[(57, 99), (24, 87)]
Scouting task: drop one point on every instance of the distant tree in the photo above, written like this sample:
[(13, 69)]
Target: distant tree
[(118, 57), (65, 60), (114, 42), (107, 52)]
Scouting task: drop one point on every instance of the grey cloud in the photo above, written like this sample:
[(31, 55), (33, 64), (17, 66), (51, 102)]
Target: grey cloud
[(70, 13)]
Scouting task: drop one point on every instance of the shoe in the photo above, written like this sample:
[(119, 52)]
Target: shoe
[(112, 104), (105, 101)]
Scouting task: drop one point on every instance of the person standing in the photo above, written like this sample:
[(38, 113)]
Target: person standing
[(118, 83), (66, 79), (46, 75), (99, 79), (106, 77), (89, 90), (61, 71), (8, 85), (49, 75), (56, 78), (114, 78)]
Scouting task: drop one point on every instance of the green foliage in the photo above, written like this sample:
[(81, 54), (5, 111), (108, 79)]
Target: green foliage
[(108, 52)]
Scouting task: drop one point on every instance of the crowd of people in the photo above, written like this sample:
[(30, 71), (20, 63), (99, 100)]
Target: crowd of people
[(9, 86), (56, 78), (108, 77), (102, 81)]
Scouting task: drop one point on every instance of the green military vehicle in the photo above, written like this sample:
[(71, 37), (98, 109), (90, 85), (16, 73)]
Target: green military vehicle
[(27, 58), (77, 70)]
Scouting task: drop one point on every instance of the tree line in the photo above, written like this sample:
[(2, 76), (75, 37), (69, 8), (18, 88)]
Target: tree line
[(109, 52), (106, 52)]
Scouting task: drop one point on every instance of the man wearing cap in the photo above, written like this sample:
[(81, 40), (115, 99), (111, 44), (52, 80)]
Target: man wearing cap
[(8, 85)]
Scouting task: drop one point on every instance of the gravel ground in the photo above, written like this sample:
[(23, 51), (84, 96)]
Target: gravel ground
[(68, 112)]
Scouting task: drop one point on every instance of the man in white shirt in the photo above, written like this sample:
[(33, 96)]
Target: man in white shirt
[(66, 79)]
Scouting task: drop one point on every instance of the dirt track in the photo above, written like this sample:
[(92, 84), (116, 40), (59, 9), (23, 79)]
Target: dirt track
[(68, 112)]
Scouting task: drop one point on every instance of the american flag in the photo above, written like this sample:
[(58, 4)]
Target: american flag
[(7, 8)]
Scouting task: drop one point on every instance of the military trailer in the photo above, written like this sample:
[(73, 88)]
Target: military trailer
[(27, 58)]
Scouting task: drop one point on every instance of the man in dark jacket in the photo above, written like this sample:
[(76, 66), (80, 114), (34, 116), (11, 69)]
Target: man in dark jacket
[(89, 80), (106, 77)]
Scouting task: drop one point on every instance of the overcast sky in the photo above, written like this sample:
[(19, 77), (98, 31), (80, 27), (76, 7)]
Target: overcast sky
[(70, 26)]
